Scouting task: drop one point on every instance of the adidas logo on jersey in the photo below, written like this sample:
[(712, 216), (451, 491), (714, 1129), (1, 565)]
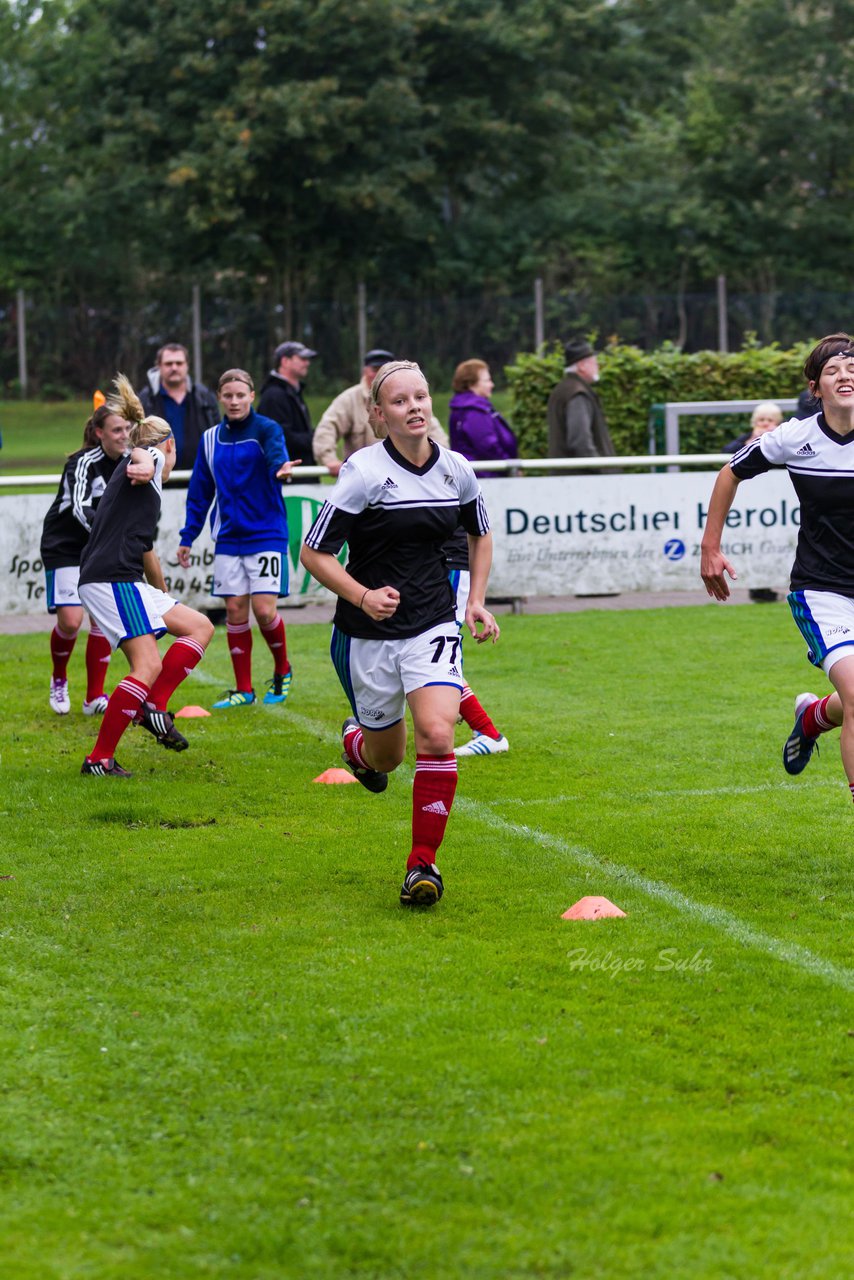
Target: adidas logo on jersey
[(436, 807), (806, 451), (389, 483)]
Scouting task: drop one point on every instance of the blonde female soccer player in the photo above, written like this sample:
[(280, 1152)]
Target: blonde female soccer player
[(395, 641)]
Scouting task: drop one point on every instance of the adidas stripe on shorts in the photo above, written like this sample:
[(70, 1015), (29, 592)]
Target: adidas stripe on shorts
[(126, 609), (376, 675)]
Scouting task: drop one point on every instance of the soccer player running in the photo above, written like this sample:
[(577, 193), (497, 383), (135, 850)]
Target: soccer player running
[(818, 453), (65, 533), (131, 612), (239, 466), (394, 639)]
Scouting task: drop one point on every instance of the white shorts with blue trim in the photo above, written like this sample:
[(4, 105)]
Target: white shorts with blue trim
[(461, 582), (265, 573), (62, 590), (377, 675), (124, 610), (826, 622)]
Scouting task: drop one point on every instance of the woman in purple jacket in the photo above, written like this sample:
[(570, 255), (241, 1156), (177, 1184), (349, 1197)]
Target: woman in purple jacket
[(478, 431)]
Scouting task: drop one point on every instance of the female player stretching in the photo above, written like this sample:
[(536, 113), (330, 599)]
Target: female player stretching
[(395, 640), (130, 612), (66, 530), (818, 453)]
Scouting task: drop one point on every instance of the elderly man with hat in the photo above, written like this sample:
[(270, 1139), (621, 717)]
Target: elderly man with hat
[(577, 426), (347, 418), (282, 399)]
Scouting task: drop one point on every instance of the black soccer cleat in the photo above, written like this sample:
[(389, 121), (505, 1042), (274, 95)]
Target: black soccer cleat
[(799, 746), (422, 886), (162, 725), (372, 779), (104, 769)]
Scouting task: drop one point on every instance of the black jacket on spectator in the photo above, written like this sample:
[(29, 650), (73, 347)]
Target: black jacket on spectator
[(284, 403), (201, 410)]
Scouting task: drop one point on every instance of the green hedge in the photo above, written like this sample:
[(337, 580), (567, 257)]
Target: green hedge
[(632, 381)]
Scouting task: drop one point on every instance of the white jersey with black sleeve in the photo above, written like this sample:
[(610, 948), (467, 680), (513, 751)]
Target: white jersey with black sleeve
[(124, 526), (395, 518), (820, 464)]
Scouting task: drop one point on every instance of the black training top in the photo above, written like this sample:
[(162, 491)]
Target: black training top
[(124, 526)]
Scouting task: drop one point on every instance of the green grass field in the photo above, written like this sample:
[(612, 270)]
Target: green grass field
[(227, 1051)]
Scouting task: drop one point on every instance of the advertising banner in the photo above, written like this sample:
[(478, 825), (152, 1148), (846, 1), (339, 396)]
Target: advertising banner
[(554, 535)]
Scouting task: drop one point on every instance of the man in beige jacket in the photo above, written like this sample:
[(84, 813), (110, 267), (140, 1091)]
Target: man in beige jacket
[(347, 418)]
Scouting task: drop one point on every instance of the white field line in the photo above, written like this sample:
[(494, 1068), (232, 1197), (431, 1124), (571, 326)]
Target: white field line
[(790, 953), (674, 793)]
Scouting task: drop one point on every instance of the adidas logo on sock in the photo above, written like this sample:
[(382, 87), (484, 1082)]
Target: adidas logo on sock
[(806, 451), (436, 807)]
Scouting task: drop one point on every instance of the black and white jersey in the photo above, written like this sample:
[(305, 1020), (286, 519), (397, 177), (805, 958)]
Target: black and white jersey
[(396, 518), (124, 526), (821, 466), (68, 522)]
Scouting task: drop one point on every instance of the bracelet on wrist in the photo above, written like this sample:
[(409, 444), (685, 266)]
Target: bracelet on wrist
[(362, 601)]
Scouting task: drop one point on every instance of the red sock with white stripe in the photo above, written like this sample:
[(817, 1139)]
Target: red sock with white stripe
[(240, 648), (432, 796), (278, 646), (816, 720), (178, 661), (61, 646), (475, 716), (98, 654), (125, 702)]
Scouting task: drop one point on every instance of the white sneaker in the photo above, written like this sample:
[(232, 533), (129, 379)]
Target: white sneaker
[(96, 707), (59, 700), (481, 745)]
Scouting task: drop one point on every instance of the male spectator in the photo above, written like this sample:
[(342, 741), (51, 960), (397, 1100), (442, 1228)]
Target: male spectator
[(347, 417), (189, 408), (282, 398), (577, 426)]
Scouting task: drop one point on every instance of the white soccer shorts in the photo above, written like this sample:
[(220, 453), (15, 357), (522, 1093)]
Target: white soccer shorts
[(124, 610), (461, 582), (377, 675), (265, 573), (62, 590), (826, 622)]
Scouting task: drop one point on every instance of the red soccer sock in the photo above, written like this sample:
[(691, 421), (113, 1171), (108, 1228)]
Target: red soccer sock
[(353, 741), (240, 648), (278, 646), (98, 654), (125, 702), (432, 797), (178, 661), (475, 716), (816, 720), (61, 646)]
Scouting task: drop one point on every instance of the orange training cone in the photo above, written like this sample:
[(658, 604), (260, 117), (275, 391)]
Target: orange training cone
[(592, 909), (190, 713), (334, 775)]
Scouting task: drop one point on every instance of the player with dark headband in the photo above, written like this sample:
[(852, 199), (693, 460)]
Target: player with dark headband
[(395, 640), (818, 453), (130, 611)]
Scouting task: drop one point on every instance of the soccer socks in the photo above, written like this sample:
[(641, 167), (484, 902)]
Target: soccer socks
[(125, 703), (98, 654), (432, 796), (353, 741), (475, 716), (277, 644), (815, 719), (240, 647), (61, 646), (179, 660)]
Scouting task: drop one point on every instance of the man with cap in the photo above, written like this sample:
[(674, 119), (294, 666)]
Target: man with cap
[(282, 399), (577, 426), (347, 417)]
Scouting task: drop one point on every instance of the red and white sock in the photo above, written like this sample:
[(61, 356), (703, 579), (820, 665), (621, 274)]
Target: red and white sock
[(98, 654), (475, 716), (125, 703), (353, 740), (432, 797), (178, 661), (61, 646), (278, 646), (816, 720), (240, 648)]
